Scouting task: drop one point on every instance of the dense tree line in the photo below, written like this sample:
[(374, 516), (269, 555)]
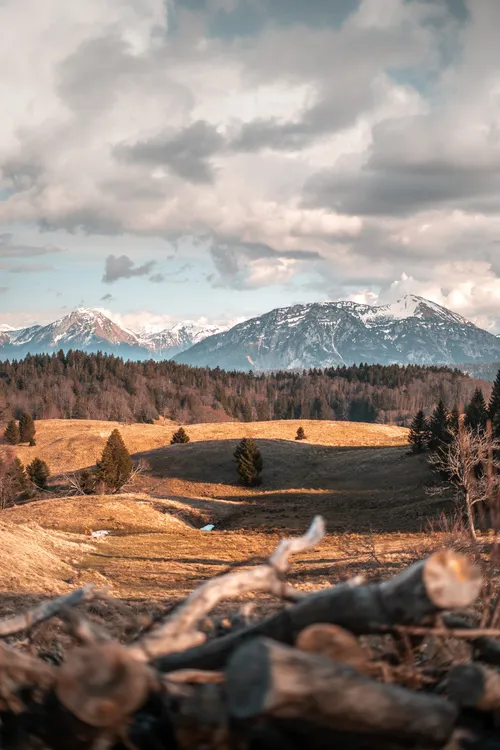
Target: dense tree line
[(75, 385)]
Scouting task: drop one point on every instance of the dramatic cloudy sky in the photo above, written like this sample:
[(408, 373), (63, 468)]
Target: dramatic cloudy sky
[(168, 159)]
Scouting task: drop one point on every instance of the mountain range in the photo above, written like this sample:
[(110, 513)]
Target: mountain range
[(317, 335)]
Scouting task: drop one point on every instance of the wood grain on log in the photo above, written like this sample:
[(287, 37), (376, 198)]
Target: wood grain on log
[(265, 678), (101, 684), (336, 643), (445, 580)]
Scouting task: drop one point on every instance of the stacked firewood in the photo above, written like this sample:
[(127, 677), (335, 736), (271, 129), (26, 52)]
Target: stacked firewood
[(344, 667)]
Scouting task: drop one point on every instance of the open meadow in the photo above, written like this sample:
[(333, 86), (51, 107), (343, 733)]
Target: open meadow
[(358, 476)]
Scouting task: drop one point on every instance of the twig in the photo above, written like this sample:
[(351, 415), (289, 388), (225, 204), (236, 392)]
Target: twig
[(444, 632), (180, 631), (44, 611)]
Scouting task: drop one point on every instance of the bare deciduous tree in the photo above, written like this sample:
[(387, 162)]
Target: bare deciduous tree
[(470, 464)]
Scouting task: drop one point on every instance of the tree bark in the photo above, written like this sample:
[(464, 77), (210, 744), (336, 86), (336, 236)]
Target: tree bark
[(265, 678)]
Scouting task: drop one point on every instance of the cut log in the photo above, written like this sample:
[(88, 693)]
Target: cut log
[(484, 648), (102, 685), (474, 685), (336, 643), (445, 580), (265, 678)]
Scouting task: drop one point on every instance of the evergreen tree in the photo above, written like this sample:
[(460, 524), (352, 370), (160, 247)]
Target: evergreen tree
[(11, 434), (115, 466), (39, 473), (301, 435), (249, 462), (439, 433), (180, 436), (453, 421), (476, 413), (494, 405), (27, 428), (419, 433), (19, 474)]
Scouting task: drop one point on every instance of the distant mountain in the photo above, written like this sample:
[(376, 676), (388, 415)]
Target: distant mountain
[(92, 331), (412, 330)]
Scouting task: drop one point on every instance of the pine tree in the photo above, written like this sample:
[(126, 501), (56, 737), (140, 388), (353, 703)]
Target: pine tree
[(453, 421), (39, 473), (19, 474), (180, 436), (115, 466), (11, 434), (419, 433), (439, 433), (301, 435), (494, 406), (249, 462), (27, 428), (476, 413)]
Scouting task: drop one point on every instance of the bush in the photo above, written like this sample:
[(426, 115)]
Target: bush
[(115, 467), (39, 473), (11, 434), (180, 436), (301, 435), (249, 460)]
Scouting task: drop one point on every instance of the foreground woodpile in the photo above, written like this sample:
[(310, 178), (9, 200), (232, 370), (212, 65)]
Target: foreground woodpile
[(345, 667)]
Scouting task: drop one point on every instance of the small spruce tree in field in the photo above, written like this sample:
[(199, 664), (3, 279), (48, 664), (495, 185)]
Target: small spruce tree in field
[(39, 473), (439, 433), (11, 434), (419, 433), (301, 435), (180, 436), (249, 462), (27, 428), (115, 466)]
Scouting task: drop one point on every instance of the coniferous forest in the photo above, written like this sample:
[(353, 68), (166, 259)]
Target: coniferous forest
[(75, 385)]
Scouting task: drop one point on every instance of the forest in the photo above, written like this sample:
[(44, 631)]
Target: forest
[(76, 385)]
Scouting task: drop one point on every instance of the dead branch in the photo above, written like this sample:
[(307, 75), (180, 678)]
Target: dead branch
[(180, 632), (265, 678), (44, 611), (336, 643), (19, 671), (445, 580)]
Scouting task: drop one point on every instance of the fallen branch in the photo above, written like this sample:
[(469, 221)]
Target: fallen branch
[(180, 632), (44, 611), (445, 580)]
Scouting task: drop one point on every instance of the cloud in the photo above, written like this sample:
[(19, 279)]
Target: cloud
[(107, 297), (27, 267), (122, 267), (9, 248), (4, 289), (157, 278), (186, 153)]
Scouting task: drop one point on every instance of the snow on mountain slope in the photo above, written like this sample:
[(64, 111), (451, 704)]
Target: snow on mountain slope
[(412, 330), (91, 330)]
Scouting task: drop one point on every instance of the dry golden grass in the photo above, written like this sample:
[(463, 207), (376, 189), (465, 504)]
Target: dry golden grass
[(358, 476), (34, 559), (70, 444)]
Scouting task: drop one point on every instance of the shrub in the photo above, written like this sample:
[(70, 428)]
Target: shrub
[(249, 460), (11, 434), (301, 435), (115, 467), (39, 473), (180, 436)]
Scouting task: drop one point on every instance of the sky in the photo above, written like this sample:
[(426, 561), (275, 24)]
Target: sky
[(214, 159)]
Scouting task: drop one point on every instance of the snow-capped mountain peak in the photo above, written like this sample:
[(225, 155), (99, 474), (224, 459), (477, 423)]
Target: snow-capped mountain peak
[(410, 330)]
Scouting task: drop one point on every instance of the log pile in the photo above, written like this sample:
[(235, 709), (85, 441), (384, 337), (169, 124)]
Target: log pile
[(343, 667)]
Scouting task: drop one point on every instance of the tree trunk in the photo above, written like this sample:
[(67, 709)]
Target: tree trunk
[(470, 516)]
